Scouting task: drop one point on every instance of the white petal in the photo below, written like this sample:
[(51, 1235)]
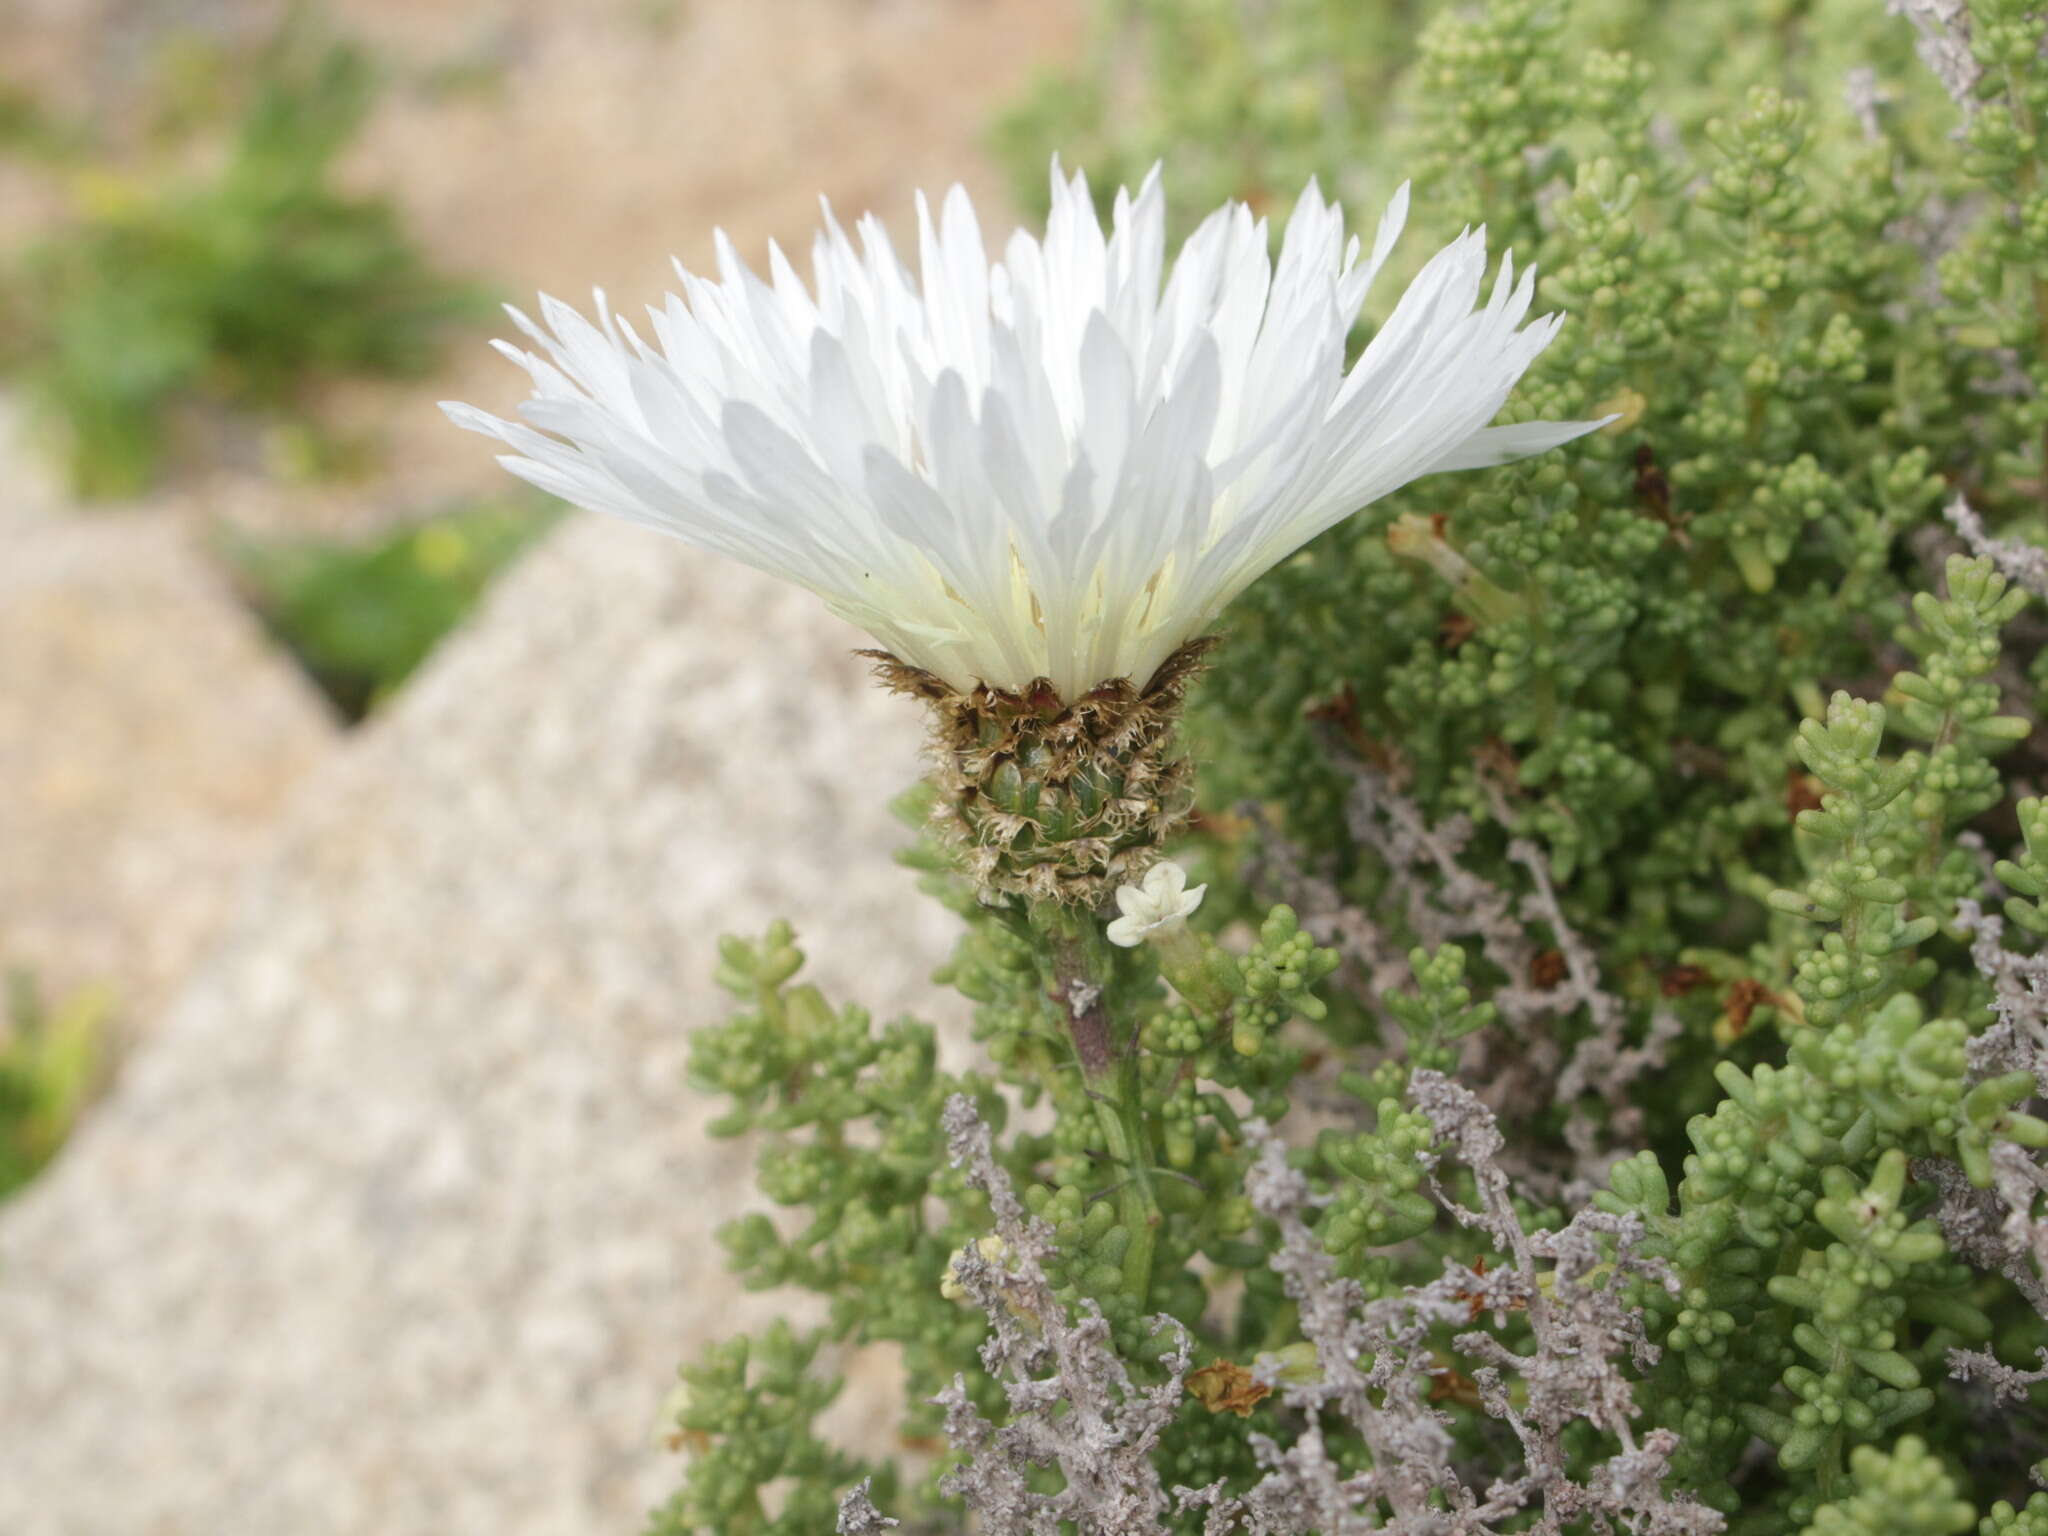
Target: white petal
[(1491, 446), (1060, 465)]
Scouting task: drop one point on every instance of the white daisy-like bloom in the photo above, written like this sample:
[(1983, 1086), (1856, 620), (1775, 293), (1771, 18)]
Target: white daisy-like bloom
[(1059, 465), (1154, 908)]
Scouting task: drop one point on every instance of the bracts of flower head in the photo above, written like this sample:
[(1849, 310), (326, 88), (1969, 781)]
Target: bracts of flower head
[(1035, 481), (1051, 800)]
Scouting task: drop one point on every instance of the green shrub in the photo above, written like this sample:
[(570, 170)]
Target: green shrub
[(1603, 853)]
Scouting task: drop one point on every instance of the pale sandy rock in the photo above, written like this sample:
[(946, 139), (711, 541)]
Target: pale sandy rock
[(401, 1220), (149, 736)]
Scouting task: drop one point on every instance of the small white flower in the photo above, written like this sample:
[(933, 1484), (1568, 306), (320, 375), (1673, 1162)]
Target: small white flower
[(1156, 908), (1062, 464)]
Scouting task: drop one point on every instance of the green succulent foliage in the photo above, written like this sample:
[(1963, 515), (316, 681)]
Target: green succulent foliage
[(2027, 875), (1814, 1312), (743, 1415), (1905, 1490), (2030, 1519), (238, 284), (1878, 844), (1440, 1012), (1374, 1175), (850, 1115)]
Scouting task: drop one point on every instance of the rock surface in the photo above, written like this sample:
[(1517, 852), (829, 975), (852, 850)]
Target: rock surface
[(401, 1219), (149, 736)]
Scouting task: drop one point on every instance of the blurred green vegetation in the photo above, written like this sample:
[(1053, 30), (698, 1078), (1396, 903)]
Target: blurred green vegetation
[(51, 1060), (1245, 101), (240, 282), (223, 263), (29, 130), (359, 615)]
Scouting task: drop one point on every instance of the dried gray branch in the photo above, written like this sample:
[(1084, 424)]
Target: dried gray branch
[(1978, 1227), (1072, 1402), (1376, 1368), (2018, 1180), (2018, 1042), (2006, 1383), (1582, 1334), (1864, 95), (1303, 1489), (1524, 1066), (1601, 1064), (858, 1515), (2024, 564), (1944, 46), (1580, 986), (1997, 1229), (1457, 902)]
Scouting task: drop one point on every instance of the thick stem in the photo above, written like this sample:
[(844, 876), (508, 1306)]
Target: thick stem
[(1080, 970), (1137, 1202), (1079, 993)]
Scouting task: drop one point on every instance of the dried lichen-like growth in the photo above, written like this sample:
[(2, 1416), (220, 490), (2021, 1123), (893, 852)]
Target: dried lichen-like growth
[(1072, 1403), (858, 1515), (1054, 800), (1376, 1363)]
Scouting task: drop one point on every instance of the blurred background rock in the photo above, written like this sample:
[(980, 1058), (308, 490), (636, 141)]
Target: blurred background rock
[(356, 996)]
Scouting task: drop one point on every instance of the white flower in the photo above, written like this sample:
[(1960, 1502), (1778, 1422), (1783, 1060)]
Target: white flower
[(1157, 907), (1061, 465)]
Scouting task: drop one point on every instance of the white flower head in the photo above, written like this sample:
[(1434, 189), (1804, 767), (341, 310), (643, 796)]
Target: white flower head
[(1059, 464), (1156, 907)]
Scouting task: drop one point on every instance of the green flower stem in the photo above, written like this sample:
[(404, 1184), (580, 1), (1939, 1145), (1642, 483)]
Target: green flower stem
[(1080, 966)]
